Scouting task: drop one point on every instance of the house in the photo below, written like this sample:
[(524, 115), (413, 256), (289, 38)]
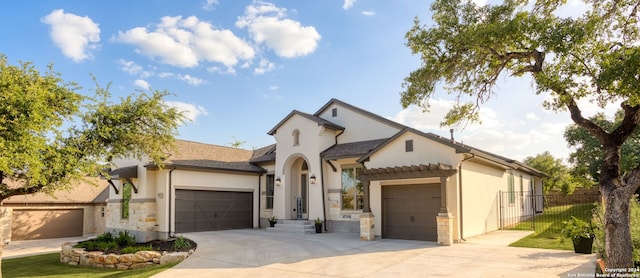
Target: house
[(355, 170), (79, 211)]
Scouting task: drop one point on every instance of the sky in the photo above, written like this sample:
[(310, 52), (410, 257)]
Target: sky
[(236, 68)]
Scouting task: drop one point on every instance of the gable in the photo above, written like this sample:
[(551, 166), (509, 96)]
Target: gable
[(409, 148), (359, 124)]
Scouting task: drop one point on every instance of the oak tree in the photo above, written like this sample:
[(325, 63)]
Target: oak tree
[(592, 56), (51, 135)]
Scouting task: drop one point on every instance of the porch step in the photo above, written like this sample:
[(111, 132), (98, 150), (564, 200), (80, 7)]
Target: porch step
[(293, 226)]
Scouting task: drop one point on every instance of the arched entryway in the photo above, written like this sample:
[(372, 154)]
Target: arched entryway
[(299, 189)]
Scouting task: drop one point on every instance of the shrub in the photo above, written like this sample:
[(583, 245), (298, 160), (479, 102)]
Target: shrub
[(124, 239), (106, 237), (181, 243), (98, 246)]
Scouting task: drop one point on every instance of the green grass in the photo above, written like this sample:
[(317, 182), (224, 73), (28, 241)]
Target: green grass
[(548, 226), (49, 266)]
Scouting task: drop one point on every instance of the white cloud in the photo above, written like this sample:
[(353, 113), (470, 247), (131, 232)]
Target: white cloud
[(185, 42), (190, 111), (191, 80), (369, 13), (132, 68), (142, 84), (273, 88), (228, 70), (267, 25), (194, 81), (479, 3), (348, 4), (210, 5), (75, 35), (264, 66), (532, 116)]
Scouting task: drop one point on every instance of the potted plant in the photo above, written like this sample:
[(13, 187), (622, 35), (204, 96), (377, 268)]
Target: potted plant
[(318, 223), (272, 221), (581, 234)]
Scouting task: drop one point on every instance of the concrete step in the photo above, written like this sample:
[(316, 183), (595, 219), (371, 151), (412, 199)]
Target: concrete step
[(293, 226)]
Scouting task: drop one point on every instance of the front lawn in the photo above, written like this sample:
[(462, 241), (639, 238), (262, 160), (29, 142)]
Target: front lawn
[(49, 266), (548, 226)]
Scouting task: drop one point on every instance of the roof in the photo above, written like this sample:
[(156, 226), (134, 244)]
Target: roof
[(202, 156), (81, 192), (459, 148), (354, 149), (264, 154), (358, 110), (314, 118)]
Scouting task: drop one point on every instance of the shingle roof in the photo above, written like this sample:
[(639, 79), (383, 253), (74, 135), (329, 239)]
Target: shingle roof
[(353, 149), (80, 193), (315, 118), (264, 154), (194, 155)]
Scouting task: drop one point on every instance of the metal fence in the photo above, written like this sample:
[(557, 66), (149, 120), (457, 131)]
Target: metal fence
[(524, 210)]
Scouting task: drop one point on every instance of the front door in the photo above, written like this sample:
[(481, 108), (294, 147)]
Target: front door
[(303, 195)]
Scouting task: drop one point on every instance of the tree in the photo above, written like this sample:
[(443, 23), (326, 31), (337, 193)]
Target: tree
[(558, 176), (595, 56), (587, 157), (236, 143), (50, 135)]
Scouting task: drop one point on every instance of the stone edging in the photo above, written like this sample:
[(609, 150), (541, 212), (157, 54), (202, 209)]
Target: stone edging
[(78, 256)]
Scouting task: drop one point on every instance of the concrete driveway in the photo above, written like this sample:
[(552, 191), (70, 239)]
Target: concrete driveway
[(258, 253)]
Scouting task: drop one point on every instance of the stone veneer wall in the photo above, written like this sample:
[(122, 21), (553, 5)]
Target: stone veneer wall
[(141, 222), (78, 256)]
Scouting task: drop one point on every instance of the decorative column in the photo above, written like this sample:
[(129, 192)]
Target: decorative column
[(367, 231), (444, 219)]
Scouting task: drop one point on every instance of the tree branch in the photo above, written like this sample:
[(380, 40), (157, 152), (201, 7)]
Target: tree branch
[(576, 115), (629, 123), (6, 191)]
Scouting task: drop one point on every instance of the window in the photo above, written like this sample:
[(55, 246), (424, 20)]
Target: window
[(296, 137), (408, 146), (126, 197), (512, 193), (270, 183), (351, 190), (334, 112)]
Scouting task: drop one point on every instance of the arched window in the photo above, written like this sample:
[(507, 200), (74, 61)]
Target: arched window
[(296, 137)]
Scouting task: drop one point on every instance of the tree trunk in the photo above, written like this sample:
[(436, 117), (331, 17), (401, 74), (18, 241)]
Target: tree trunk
[(617, 227)]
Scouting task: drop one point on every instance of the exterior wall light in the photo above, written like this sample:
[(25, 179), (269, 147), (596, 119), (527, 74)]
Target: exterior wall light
[(278, 181), (312, 179)]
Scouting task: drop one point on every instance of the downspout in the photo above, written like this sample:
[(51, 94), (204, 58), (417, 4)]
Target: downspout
[(170, 200), (324, 203), (460, 194), (259, 197)]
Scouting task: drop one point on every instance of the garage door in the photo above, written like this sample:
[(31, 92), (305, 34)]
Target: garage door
[(41, 224), (409, 211), (198, 210)]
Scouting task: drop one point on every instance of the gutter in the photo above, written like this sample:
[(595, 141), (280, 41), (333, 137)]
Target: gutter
[(259, 197), (324, 202), (170, 199), (460, 194)]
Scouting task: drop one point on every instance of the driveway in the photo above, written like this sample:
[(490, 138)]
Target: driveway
[(258, 253)]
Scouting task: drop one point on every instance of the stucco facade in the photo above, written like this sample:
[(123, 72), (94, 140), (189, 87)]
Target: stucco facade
[(344, 166)]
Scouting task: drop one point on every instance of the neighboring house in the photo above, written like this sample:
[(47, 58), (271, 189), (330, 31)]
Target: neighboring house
[(77, 212), (357, 171)]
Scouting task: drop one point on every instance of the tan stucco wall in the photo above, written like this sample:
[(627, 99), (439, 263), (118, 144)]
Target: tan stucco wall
[(424, 151), (313, 140), (358, 127)]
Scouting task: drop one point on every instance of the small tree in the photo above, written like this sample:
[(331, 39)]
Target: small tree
[(557, 174), (595, 56), (50, 135)]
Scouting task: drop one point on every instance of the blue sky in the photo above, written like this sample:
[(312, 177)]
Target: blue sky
[(238, 67)]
